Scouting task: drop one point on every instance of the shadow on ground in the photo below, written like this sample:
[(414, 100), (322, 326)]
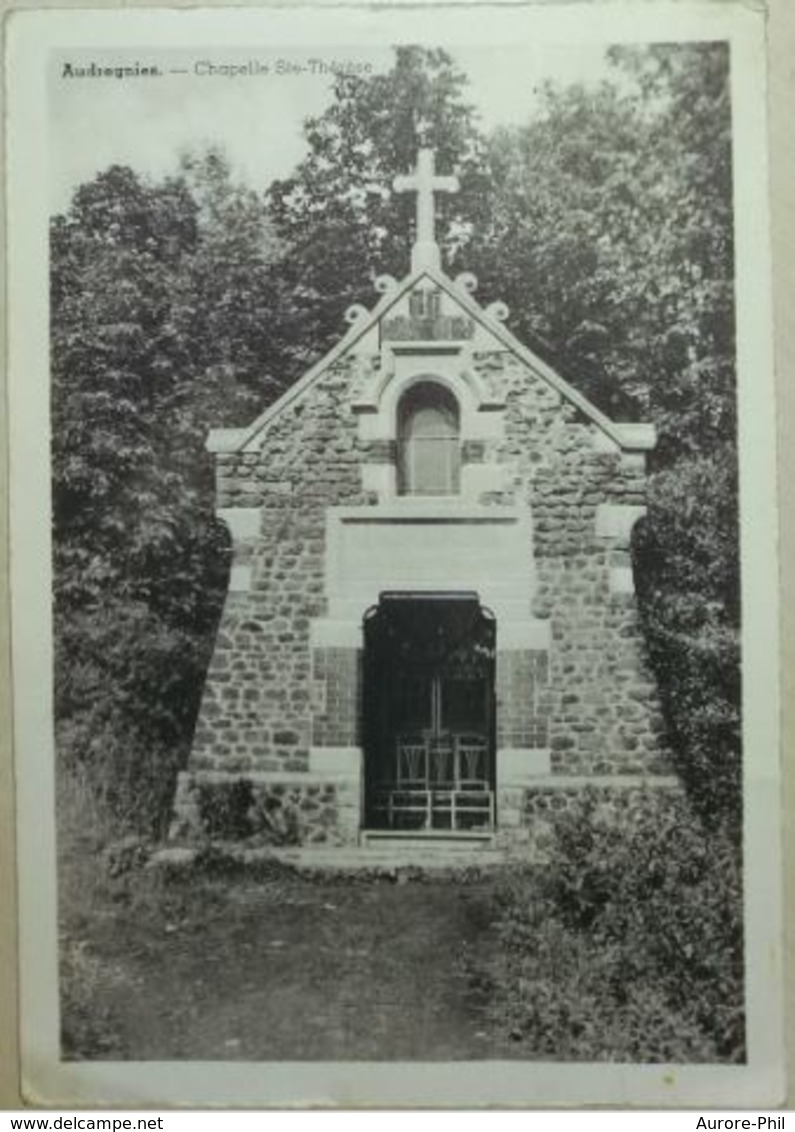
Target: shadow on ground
[(280, 968)]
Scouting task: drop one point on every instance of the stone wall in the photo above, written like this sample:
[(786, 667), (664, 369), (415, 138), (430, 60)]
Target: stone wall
[(599, 708), (526, 817), (258, 711), (604, 715), (270, 698), (261, 810)]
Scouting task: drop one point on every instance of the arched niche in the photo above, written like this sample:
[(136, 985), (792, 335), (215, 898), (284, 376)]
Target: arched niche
[(428, 432)]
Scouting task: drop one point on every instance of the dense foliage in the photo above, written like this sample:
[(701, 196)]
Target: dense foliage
[(627, 945), (143, 345), (605, 224), (341, 224)]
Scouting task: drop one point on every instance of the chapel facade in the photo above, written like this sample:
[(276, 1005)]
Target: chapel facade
[(431, 628)]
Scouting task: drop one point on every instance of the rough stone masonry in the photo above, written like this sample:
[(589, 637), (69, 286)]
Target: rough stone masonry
[(539, 527)]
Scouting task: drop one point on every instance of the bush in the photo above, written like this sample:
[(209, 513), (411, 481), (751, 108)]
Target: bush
[(686, 555), (628, 944), (225, 809), (274, 823), (127, 688), (237, 811)]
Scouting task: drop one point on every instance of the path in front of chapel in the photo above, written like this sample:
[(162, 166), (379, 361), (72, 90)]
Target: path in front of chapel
[(326, 970)]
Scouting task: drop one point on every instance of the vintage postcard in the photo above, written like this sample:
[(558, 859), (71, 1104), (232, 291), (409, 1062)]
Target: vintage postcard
[(394, 556)]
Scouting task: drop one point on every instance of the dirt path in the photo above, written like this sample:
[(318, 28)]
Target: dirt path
[(303, 970)]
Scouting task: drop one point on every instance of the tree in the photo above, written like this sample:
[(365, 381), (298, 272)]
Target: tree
[(117, 365), (605, 223), (561, 242), (688, 550), (610, 238), (157, 304), (231, 306), (688, 571), (689, 338), (340, 222)]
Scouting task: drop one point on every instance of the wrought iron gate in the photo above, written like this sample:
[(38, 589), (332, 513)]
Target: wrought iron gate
[(429, 714)]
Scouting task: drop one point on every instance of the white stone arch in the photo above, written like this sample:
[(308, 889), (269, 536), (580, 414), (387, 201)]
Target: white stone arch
[(480, 417), (398, 389), (405, 408), (378, 413)]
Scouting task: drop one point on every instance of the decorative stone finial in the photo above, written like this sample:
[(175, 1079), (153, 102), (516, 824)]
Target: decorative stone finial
[(467, 282), (385, 284), (356, 313), (498, 310), (425, 183)]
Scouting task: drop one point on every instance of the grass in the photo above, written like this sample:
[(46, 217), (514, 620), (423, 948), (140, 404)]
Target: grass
[(268, 965), (260, 963)]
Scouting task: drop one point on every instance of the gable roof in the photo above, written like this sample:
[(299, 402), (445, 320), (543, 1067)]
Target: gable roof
[(626, 436)]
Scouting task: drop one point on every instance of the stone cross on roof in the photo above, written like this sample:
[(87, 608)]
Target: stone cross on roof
[(425, 183)]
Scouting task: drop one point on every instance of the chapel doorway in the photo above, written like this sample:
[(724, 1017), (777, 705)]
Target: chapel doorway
[(429, 713)]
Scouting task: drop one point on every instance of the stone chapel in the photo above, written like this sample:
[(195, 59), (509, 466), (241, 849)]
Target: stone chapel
[(431, 628)]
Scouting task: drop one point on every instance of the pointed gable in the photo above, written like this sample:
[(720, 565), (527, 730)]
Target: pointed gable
[(429, 477), (431, 313), (428, 308)]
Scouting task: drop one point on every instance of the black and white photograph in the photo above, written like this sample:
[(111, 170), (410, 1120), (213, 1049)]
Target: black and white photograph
[(403, 451)]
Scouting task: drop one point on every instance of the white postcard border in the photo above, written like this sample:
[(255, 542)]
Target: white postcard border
[(32, 35)]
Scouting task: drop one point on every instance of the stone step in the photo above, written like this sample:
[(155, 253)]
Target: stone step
[(386, 856), (390, 858), (441, 840)]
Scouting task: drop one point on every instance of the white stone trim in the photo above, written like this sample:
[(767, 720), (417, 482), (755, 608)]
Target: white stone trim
[(622, 580), (187, 778), (615, 521), (479, 478), (242, 522), (449, 509), (326, 633), (480, 418), (529, 633), (487, 329), (633, 462), (403, 357), (515, 630), (637, 437), (428, 550), (381, 478), (224, 439), (620, 781), (519, 766), (339, 762), (604, 443), (240, 579)]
